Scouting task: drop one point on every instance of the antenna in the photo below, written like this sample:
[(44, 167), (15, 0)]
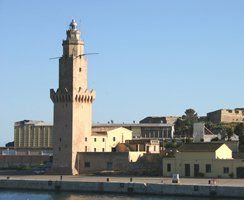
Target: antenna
[(84, 54), (55, 58)]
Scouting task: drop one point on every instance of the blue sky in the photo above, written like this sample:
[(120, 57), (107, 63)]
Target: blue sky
[(156, 57)]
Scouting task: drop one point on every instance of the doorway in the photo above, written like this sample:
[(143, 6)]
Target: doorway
[(196, 170), (187, 170), (240, 172)]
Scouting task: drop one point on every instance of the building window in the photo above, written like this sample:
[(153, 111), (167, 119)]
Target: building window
[(103, 150), (87, 164), (114, 139), (208, 168), (85, 139), (85, 148), (103, 139), (169, 133), (226, 170), (80, 69), (168, 167), (95, 139), (95, 150)]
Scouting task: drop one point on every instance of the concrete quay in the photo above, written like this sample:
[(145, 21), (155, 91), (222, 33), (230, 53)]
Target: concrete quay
[(127, 185)]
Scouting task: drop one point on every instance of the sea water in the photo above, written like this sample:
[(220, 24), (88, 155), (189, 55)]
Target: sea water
[(36, 195)]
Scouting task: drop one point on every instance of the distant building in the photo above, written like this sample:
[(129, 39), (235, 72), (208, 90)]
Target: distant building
[(204, 160), (145, 145), (137, 156), (147, 130), (26, 151), (33, 134), (226, 115), (163, 120), (201, 133)]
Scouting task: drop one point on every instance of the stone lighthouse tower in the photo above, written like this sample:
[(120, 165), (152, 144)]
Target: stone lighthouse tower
[(72, 105)]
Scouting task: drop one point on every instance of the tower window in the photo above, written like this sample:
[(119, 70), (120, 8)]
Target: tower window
[(103, 150), (103, 139), (85, 139), (95, 139), (95, 150), (80, 69), (114, 139)]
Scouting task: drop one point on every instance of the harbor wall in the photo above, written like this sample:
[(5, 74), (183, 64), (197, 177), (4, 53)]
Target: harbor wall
[(125, 188)]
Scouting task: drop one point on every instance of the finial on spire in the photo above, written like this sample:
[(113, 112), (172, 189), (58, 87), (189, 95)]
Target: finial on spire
[(73, 25)]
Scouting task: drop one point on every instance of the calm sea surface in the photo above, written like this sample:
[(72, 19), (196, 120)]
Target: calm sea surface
[(32, 195)]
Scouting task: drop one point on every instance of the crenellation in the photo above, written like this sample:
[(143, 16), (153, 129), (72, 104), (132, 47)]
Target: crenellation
[(80, 96)]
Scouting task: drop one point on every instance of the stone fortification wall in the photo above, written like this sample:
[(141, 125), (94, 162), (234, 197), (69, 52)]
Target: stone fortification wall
[(17, 161), (93, 162), (226, 116)]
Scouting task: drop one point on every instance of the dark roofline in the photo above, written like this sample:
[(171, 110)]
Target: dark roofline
[(200, 147), (133, 125)]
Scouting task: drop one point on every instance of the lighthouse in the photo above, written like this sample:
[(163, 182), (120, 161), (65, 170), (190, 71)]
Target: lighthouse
[(72, 105)]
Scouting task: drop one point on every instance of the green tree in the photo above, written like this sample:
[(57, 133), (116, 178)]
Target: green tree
[(190, 114), (239, 129), (184, 125), (229, 132)]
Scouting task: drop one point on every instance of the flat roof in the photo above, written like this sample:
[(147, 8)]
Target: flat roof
[(33, 122), (133, 125)]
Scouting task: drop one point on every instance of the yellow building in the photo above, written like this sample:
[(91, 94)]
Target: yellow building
[(33, 134), (106, 139), (203, 160)]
